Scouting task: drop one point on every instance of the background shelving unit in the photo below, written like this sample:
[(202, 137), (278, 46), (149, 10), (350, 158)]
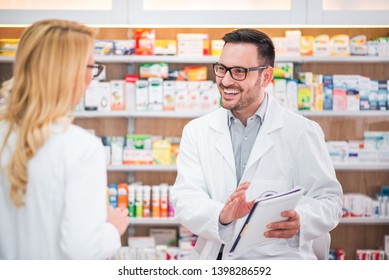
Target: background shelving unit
[(154, 221), (351, 234), (149, 168), (167, 168), (140, 114), (365, 221), (212, 59), (195, 114), (346, 221)]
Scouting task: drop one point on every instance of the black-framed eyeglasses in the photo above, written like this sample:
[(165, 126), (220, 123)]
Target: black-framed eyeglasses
[(96, 69), (236, 72)]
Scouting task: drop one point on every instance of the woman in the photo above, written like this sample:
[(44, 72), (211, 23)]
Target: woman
[(52, 173)]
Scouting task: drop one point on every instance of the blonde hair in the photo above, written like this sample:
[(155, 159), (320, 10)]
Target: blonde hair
[(48, 80)]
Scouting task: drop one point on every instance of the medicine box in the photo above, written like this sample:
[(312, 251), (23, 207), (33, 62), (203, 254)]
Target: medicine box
[(141, 95), (118, 97), (155, 90)]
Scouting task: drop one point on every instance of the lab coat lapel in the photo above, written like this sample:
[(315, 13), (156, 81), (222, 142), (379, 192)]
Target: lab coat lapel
[(223, 142), (263, 142)]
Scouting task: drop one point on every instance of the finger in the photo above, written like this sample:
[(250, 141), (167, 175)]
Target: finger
[(232, 201), (244, 185), (284, 225), (291, 214), (280, 233), (238, 193), (125, 212), (250, 204)]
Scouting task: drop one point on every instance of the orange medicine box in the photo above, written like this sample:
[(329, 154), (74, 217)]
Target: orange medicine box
[(144, 41), (123, 196)]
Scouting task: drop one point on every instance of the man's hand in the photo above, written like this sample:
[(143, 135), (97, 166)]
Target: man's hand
[(285, 229), (236, 206)]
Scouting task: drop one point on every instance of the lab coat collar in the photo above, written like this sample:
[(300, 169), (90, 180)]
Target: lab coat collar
[(219, 122), (223, 140), (273, 121)]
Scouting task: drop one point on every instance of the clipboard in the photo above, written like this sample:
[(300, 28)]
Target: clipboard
[(265, 211)]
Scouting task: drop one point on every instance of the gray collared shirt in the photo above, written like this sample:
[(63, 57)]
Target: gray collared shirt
[(243, 138)]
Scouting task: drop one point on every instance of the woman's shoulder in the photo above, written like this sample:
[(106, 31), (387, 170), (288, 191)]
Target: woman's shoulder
[(74, 145), (75, 137)]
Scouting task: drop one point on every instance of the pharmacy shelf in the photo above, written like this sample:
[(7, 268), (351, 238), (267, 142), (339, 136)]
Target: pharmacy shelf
[(174, 221), (213, 59), (7, 59), (365, 220), (140, 114), (361, 166), (343, 59), (344, 113), (168, 114), (155, 59), (154, 221), (99, 114), (140, 167), (172, 168), (195, 114)]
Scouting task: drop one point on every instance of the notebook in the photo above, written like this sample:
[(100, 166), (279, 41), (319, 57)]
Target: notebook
[(265, 211)]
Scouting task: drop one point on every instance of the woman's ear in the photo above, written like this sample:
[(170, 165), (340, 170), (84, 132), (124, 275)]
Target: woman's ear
[(267, 76)]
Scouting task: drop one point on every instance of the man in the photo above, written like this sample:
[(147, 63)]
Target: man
[(253, 147)]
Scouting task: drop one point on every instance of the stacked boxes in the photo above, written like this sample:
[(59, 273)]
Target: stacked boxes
[(373, 149), (141, 149), (192, 44)]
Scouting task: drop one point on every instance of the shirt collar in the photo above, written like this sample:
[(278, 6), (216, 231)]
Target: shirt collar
[(261, 111)]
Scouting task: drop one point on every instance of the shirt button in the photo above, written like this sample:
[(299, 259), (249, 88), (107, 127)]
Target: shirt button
[(245, 138)]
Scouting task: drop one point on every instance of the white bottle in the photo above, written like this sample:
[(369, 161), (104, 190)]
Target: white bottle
[(164, 201), (146, 201), (155, 203), (170, 203), (139, 201)]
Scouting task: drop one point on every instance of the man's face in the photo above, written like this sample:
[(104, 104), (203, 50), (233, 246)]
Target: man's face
[(246, 94)]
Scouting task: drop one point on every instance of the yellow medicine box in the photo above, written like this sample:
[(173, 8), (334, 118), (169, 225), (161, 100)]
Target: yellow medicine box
[(8, 47)]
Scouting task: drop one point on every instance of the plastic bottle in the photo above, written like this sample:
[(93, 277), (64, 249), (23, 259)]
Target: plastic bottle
[(139, 201), (131, 201), (146, 201), (123, 196), (164, 201), (155, 204), (113, 195), (170, 204)]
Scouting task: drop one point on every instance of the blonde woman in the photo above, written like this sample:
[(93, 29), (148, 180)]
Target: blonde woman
[(52, 173)]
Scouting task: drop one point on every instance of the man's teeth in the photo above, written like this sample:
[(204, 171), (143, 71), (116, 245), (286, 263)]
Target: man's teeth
[(231, 91)]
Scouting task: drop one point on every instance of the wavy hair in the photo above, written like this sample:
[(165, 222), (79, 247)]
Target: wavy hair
[(48, 80)]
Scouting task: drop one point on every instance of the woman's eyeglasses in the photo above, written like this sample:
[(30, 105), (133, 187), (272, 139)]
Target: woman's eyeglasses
[(237, 73), (96, 69)]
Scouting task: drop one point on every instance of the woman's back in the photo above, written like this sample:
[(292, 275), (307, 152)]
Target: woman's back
[(64, 214)]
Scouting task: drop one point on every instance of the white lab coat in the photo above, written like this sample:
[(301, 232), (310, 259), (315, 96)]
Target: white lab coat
[(65, 212), (289, 151)]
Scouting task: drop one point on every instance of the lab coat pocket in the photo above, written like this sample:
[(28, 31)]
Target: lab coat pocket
[(197, 250), (194, 255)]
